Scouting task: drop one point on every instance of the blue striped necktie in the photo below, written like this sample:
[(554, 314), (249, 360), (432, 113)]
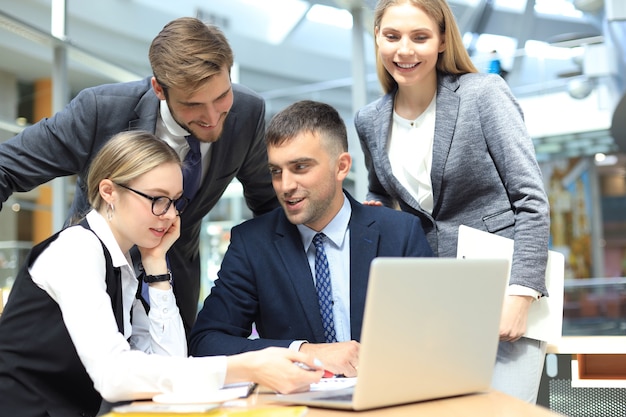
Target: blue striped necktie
[(324, 288)]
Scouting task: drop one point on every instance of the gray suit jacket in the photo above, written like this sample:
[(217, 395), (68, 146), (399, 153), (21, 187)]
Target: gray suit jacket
[(484, 171), (66, 143)]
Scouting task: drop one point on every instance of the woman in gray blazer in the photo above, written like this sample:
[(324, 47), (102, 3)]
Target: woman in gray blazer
[(449, 145)]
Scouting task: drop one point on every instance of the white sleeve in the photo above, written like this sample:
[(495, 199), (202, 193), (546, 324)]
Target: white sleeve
[(72, 271), (162, 330)]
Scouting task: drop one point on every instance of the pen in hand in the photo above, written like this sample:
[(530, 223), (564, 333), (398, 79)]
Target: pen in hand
[(306, 367), (327, 374)]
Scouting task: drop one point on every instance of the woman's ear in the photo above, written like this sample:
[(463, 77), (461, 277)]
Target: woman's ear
[(107, 189)]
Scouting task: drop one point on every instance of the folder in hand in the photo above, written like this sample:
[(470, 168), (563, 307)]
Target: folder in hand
[(545, 316)]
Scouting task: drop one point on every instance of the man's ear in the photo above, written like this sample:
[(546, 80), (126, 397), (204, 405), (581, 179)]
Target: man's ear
[(158, 90), (344, 162)]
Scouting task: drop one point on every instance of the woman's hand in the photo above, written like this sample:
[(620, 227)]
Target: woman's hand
[(153, 259), (275, 368), (514, 317)]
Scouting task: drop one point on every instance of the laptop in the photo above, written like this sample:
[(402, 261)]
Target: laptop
[(430, 330)]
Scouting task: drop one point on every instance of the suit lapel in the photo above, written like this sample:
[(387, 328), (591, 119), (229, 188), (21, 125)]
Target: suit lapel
[(445, 123), (363, 249), (382, 128), (293, 256)]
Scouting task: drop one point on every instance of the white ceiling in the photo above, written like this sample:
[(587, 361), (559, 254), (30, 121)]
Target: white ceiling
[(279, 52), (310, 52)]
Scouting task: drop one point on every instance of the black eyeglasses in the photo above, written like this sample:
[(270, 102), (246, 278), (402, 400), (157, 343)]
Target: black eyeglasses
[(161, 204)]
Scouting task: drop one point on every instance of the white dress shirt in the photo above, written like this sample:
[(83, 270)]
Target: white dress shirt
[(150, 357), (170, 131), (410, 152)]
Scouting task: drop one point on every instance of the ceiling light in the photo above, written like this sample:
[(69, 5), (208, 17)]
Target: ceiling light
[(589, 6), (603, 160)]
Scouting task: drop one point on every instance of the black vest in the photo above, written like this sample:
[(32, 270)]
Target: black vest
[(40, 371)]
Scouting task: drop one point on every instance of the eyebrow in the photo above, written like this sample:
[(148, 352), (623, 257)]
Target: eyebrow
[(420, 29), (293, 161)]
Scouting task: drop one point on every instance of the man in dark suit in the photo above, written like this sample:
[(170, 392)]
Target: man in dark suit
[(190, 93), (268, 274)]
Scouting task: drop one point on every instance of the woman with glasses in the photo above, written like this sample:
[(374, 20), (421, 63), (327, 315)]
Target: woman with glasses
[(74, 330)]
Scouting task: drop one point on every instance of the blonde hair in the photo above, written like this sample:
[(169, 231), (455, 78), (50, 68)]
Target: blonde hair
[(125, 157), (187, 52), (453, 60)]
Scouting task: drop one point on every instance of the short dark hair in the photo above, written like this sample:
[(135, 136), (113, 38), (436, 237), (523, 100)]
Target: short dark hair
[(312, 117)]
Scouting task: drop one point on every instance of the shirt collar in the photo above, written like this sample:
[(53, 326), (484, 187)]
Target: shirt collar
[(335, 230), (168, 121), (101, 228)]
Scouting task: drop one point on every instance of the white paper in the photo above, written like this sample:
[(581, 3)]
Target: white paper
[(545, 316), (327, 384), (229, 392), (167, 409)]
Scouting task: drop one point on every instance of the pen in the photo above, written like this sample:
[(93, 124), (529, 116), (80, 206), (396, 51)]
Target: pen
[(303, 366), (327, 374)]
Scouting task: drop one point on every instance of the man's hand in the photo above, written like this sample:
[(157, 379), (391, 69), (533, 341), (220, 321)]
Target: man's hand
[(341, 358), (514, 317)]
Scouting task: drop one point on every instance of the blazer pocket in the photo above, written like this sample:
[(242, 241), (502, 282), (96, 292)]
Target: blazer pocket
[(499, 221)]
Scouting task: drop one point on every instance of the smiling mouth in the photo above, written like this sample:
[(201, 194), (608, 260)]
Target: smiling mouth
[(407, 66), (293, 201)]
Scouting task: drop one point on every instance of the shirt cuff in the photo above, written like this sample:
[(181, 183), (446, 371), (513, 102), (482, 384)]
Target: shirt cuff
[(162, 302), (295, 345), (521, 290)]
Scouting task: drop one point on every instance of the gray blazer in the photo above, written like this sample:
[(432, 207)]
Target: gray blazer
[(66, 143), (484, 171)]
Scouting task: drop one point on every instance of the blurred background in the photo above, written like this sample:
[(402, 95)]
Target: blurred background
[(564, 61)]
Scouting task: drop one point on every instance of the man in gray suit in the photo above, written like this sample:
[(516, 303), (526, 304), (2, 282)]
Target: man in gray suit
[(190, 93)]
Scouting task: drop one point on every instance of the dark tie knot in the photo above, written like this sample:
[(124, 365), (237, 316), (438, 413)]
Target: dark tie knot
[(318, 240), (194, 145)]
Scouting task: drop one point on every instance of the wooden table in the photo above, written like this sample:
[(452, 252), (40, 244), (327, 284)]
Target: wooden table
[(490, 404), (588, 345)]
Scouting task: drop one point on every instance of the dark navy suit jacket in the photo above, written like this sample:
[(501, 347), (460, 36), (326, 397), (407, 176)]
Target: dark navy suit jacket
[(265, 279)]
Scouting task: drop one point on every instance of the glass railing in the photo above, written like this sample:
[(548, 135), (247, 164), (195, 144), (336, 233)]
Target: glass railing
[(595, 307)]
